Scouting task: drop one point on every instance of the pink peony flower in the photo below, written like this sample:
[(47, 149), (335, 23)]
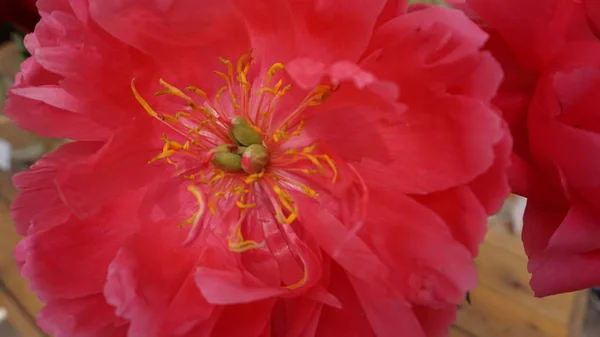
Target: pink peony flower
[(550, 53), (304, 168)]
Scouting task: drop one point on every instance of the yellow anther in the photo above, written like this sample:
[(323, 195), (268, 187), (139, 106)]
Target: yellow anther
[(302, 280), (170, 119), (273, 70), (220, 92), (197, 91), (142, 101), (309, 191), (244, 206), (331, 164), (282, 219), (310, 148), (222, 75), (171, 90), (240, 247), (182, 114), (254, 177), (299, 128), (201, 205), (162, 155)]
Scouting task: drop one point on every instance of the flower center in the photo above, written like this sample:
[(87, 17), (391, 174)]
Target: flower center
[(239, 148)]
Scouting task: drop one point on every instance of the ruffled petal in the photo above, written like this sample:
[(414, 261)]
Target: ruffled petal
[(578, 232), (492, 187), (349, 320), (223, 281), (541, 220), (554, 273), (151, 284), (121, 165), (459, 133), (70, 260), (388, 311), (326, 31), (39, 206), (432, 267), (436, 321), (88, 316), (463, 213), (592, 9), (50, 111), (536, 30), (426, 58)]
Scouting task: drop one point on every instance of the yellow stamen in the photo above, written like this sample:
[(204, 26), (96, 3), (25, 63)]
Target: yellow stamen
[(254, 177), (201, 205), (273, 70), (142, 101), (301, 282)]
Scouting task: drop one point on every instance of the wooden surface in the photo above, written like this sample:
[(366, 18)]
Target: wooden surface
[(502, 305)]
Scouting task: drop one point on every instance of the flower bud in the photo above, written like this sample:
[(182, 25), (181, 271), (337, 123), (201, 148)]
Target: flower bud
[(255, 158), (243, 133), (225, 160)]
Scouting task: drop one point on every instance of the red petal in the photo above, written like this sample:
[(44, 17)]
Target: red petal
[(445, 143), (436, 321), (38, 105), (326, 31), (565, 273), (87, 316), (387, 311), (71, 260), (348, 320), (578, 232), (223, 280), (38, 206), (418, 248), (492, 187), (121, 165), (151, 283), (541, 221), (463, 214)]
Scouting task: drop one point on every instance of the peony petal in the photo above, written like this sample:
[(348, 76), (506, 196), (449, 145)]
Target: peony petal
[(42, 111), (117, 168), (436, 321), (578, 232), (222, 280), (171, 27), (344, 247), (425, 259), (578, 170), (387, 312), (38, 206), (360, 110), (70, 260), (349, 321), (244, 321), (87, 316), (463, 213), (151, 283), (592, 9), (492, 187), (459, 133), (555, 273), (541, 220), (326, 31), (536, 30)]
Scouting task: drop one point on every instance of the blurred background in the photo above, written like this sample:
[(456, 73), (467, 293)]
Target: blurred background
[(501, 306)]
